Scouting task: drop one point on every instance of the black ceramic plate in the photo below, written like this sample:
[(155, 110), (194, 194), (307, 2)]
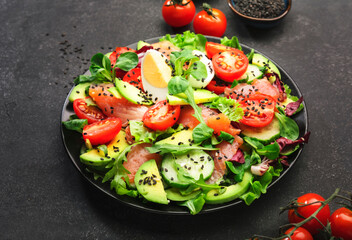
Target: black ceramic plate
[(73, 142)]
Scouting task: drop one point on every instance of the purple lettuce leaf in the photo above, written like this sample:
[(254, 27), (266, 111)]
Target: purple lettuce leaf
[(279, 86), (292, 107), (238, 157)]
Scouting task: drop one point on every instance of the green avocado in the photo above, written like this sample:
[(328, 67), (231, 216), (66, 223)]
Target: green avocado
[(175, 195), (231, 192), (183, 137), (79, 91), (200, 96), (141, 44), (149, 184), (131, 93), (262, 61), (95, 157)]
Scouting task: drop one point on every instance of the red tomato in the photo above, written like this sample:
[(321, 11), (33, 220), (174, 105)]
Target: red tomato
[(134, 77), (218, 86), (258, 110), (312, 226), (178, 13), (161, 116), (103, 131), (299, 234), (210, 21), (118, 51), (341, 223), (230, 65), (83, 111), (213, 48)]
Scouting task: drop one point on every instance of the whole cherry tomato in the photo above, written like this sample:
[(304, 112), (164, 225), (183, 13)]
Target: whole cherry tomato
[(341, 223), (210, 21), (299, 234), (178, 13), (313, 225)]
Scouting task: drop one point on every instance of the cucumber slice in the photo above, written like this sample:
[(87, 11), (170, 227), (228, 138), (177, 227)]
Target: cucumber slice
[(265, 134), (262, 61), (194, 163), (253, 72), (131, 93)]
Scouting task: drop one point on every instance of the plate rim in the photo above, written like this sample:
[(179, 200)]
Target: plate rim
[(183, 211)]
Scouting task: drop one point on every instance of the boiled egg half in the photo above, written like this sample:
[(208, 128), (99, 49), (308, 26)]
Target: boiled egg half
[(156, 74)]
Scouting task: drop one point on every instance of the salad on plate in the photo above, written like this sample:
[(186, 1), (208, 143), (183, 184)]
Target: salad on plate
[(185, 121)]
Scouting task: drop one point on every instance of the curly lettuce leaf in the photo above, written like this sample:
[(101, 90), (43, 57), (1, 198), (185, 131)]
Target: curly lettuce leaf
[(260, 186), (187, 40), (227, 106)]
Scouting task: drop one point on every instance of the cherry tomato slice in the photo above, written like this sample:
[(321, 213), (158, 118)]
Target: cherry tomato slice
[(230, 65), (118, 51), (218, 86), (313, 225), (341, 223), (103, 131), (161, 116), (213, 48), (258, 110), (299, 234), (83, 111), (134, 77)]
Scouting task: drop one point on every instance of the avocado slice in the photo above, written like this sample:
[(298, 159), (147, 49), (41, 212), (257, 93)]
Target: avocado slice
[(79, 91), (262, 61), (183, 137), (200, 96), (95, 157), (141, 44), (149, 184), (231, 192), (114, 92), (175, 195), (131, 93)]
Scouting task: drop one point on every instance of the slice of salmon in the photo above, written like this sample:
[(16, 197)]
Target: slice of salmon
[(225, 152), (137, 156), (165, 47), (243, 90), (187, 119), (220, 122), (115, 107)]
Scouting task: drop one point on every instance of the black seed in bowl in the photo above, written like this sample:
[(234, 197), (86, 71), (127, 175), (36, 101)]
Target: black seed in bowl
[(260, 8)]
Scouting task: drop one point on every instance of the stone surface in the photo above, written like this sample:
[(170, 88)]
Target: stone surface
[(43, 196)]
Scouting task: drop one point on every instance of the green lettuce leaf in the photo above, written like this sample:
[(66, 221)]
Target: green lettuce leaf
[(187, 40), (233, 42)]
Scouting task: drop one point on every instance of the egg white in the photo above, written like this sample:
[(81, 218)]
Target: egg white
[(210, 71)]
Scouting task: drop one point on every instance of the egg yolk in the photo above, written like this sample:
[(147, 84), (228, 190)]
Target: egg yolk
[(155, 70)]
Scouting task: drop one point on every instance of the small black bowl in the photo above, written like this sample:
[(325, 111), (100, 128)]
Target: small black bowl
[(261, 22)]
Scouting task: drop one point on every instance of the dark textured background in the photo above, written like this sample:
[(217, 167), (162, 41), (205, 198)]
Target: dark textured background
[(42, 195)]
